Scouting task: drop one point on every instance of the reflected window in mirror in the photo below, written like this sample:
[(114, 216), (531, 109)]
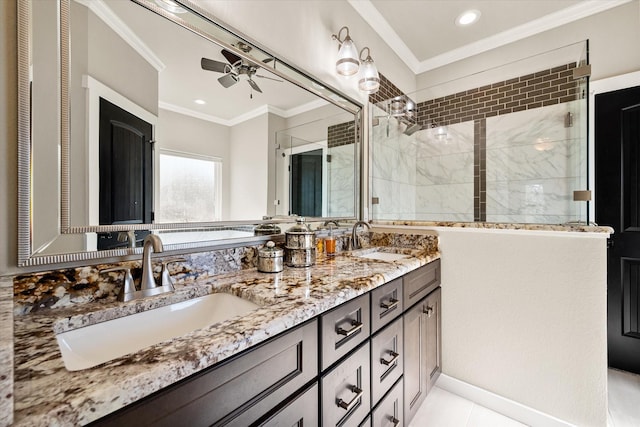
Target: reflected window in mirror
[(190, 188)]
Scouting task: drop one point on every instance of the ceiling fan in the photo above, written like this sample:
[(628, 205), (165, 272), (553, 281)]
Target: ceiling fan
[(235, 68)]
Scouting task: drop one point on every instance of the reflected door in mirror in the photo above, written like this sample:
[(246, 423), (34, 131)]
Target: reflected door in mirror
[(126, 186), (306, 183)]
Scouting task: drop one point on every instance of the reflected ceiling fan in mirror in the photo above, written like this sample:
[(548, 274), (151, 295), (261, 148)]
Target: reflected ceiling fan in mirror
[(235, 68)]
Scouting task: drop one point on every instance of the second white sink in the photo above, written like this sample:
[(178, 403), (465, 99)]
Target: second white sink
[(87, 347), (384, 256)]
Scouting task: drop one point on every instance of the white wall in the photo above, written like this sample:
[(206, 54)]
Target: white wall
[(524, 316), (248, 169)]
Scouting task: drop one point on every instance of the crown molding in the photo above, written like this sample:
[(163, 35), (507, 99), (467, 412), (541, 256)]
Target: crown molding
[(102, 11), (246, 116), (378, 23)]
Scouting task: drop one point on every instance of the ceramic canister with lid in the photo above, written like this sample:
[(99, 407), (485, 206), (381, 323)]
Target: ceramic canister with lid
[(270, 258), (300, 245)]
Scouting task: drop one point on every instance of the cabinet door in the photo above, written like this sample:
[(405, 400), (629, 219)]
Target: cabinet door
[(389, 413), (346, 391), (415, 366), (434, 336), (301, 412), (387, 354)]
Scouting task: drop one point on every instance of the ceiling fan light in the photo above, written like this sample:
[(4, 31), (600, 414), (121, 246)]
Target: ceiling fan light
[(347, 63), (369, 78)]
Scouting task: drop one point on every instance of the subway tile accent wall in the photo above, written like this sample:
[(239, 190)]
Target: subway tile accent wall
[(341, 134), (540, 89), (387, 91)]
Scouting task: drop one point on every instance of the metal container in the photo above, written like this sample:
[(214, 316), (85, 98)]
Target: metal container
[(266, 229), (300, 245), (300, 257), (299, 236), (270, 258)]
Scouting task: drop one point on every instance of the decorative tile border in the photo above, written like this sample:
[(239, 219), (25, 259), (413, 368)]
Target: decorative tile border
[(480, 170), (387, 91), (341, 134)]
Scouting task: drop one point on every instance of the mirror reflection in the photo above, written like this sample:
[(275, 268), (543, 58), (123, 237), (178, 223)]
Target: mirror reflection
[(167, 127)]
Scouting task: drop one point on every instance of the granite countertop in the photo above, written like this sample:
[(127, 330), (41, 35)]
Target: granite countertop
[(47, 394)]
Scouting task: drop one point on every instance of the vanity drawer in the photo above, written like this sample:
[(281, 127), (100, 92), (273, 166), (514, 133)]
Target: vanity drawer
[(302, 411), (419, 283), (386, 304), (343, 328), (386, 359), (390, 411), (345, 391)]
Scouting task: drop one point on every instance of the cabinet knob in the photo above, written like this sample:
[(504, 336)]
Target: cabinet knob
[(347, 406), (428, 311)]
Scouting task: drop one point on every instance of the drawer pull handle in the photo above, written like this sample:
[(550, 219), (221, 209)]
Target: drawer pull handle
[(347, 406), (356, 327), (394, 357), (393, 303), (395, 421), (428, 311)]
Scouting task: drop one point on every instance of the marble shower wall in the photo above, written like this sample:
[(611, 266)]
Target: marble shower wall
[(341, 181), (534, 163), (394, 171), (444, 177)]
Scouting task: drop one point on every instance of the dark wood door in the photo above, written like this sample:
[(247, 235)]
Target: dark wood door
[(617, 149), (126, 171), (306, 184)]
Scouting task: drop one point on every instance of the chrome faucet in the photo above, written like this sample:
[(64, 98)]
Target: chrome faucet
[(152, 243), (355, 242), (331, 221)]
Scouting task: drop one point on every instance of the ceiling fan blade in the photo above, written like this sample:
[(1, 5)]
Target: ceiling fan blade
[(254, 86), (231, 57), (266, 77), (213, 65), (228, 80)]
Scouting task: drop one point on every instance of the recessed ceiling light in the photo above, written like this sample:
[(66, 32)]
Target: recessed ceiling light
[(200, 101), (468, 17)]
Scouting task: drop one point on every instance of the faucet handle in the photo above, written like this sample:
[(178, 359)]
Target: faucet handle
[(165, 276), (128, 288)]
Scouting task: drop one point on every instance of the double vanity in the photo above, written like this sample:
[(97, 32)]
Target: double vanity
[(351, 339)]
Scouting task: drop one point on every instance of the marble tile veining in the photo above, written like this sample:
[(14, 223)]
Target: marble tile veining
[(47, 394)]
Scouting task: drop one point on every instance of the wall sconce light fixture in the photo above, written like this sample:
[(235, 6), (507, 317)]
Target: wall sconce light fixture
[(347, 63), (369, 79)]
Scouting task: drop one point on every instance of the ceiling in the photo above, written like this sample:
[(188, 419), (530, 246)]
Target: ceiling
[(176, 54), (424, 35)]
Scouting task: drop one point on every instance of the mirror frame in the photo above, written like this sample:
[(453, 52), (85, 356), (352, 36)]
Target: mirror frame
[(289, 73)]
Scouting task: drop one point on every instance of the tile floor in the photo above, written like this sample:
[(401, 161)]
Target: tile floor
[(444, 409), (624, 399)]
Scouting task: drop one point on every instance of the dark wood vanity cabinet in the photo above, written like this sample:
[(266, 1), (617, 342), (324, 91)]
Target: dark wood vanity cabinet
[(368, 362), (422, 351), (237, 392)]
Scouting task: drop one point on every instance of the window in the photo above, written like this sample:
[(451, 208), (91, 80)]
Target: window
[(190, 188)]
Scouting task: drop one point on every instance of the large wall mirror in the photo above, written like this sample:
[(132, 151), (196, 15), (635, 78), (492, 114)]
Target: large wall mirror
[(149, 116)]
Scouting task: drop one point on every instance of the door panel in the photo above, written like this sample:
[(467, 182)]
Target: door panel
[(126, 176), (617, 149)]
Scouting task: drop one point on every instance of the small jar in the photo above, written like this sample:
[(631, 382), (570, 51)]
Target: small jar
[(270, 258)]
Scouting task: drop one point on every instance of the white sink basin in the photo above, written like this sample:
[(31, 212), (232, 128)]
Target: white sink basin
[(92, 345), (384, 256)]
